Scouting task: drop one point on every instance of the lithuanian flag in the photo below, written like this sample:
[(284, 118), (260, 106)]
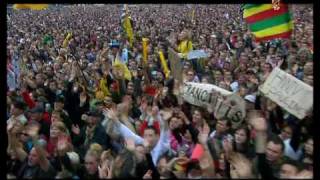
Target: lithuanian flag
[(266, 23)]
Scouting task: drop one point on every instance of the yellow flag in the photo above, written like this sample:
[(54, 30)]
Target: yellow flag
[(66, 40), (164, 65), (145, 50), (31, 6), (103, 87), (128, 28), (123, 67)]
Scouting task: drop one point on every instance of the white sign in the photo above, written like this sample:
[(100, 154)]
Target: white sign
[(290, 93), (224, 103), (196, 54)]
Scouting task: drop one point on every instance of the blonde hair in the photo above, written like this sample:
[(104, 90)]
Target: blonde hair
[(59, 125)]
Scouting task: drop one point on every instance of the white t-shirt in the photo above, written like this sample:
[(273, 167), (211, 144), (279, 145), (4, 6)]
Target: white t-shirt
[(288, 151)]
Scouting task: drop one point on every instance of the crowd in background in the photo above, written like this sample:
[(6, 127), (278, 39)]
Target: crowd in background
[(73, 113)]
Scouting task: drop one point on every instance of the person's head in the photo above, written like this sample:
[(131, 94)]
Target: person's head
[(57, 129), (275, 148), (289, 169), (154, 110), (39, 79), (161, 166), (242, 135), (267, 68), (222, 126), (175, 122), (17, 108), (124, 165), (53, 86), (36, 113), (33, 158), (59, 103), (197, 116), (218, 76), (56, 116), (222, 161), (91, 161), (130, 88), (151, 136), (308, 147), (286, 132), (190, 75), (140, 153), (308, 79), (94, 118)]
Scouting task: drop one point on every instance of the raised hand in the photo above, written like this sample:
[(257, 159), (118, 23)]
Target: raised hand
[(75, 129), (203, 135), (259, 124), (148, 175), (130, 144)]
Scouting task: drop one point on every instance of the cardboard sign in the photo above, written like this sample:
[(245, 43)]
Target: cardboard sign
[(288, 92), (175, 65), (196, 54), (224, 103)]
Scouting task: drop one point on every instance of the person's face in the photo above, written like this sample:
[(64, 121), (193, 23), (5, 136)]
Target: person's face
[(54, 132), (221, 126), (240, 136), (53, 86), (162, 167), (288, 171), (308, 79), (273, 152), (36, 116), (55, 117), (222, 164), (308, 68), (286, 133), (175, 123), (15, 111), (58, 106), (218, 76), (33, 158), (150, 136), (223, 85), (24, 136), (91, 164), (92, 120), (154, 110), (228, 76), (140, 153), (39, 79), (267, 68), (309, 147), (196, 117)]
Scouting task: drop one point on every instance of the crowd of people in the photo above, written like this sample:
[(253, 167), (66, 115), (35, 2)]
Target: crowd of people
[(83, 103)]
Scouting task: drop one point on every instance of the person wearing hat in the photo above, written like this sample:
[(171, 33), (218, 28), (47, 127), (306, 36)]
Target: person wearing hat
[(92, 132)]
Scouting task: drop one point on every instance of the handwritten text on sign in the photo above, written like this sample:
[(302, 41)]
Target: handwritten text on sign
[(224, 103), (288, 92)]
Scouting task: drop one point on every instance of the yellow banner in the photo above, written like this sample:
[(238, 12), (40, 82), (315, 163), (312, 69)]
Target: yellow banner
[(31, 6), (145, 50), (164, 65)]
